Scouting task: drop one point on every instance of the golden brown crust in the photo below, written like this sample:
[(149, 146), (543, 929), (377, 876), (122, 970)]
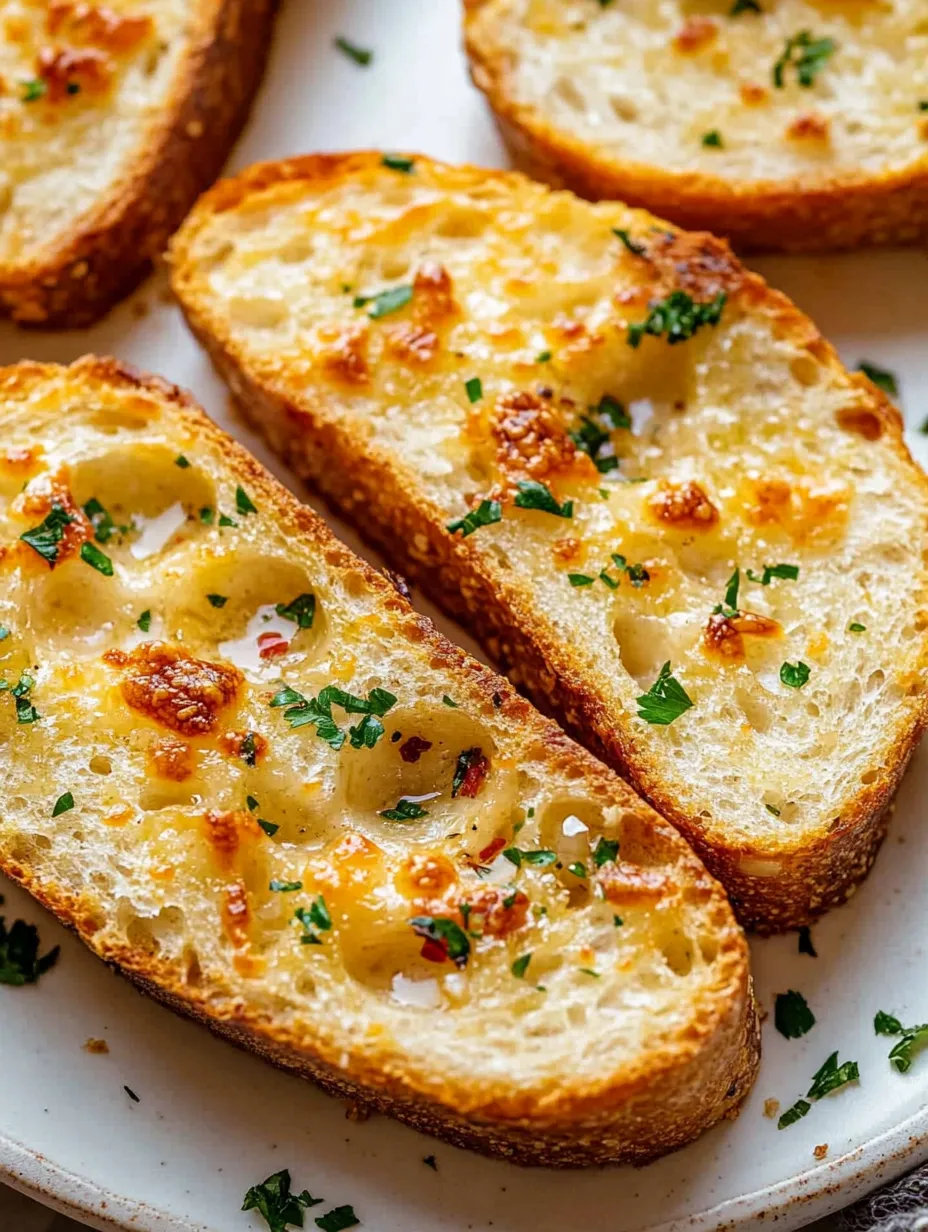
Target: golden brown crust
[(847, 211), (108, 251), (661, 1101), (772, 889)]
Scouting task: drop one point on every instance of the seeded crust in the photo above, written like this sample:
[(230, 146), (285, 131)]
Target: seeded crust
[(81, 270), (820, 206), (465, 1070), (780, 874)]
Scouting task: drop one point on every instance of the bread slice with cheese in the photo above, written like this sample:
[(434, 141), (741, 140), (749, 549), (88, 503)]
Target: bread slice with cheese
[(783, 124), (113, 117), (639, 474), (246, 772)]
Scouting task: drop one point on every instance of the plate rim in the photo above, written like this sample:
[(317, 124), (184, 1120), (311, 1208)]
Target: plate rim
[(795, 1201)]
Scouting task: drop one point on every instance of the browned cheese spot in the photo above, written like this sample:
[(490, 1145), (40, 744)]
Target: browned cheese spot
[(683, 506), (175, 689)]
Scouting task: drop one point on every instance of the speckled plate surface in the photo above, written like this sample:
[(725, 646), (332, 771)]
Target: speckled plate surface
[(211, 1121)]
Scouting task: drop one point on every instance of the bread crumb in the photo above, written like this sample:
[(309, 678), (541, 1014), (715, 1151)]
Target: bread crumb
[(771, 1107), (96, 1046), (821, 1151)]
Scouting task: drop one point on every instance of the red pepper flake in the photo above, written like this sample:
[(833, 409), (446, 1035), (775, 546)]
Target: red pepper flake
[(413, 748), (470, 773), (434, 951), (272, 644), (492, 850)]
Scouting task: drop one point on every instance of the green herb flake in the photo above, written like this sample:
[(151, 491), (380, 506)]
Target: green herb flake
[(665, 701), (712, 139), (385, 302), (284, 887), (633, 246), (243, 503), (314, 920), (535, 495), (520, 966), (104, 528), (882, 378), (923, 104), (787, 572), (856, 627), (807, 55), (33, 90), (772, 809), (270, 828), (317, 711), (218, 600), (398, 162), (91, 555), (589, 971), (45, 537), (913, 1039), (543, 357), (580, 579), (578, 869), (794, 1114), (805, 942), (445, 935), (360, 55), (606, 851), (63, 804), (273, 1199), (678, 317), (25, 710), (405, 810), (617, 921), (744, 6), (449, 701), (486, 513), (181, 461), (301, 610), (144, 621), (474, 388), (792, 1016), (207, 515), (19, 954), (795, 675), (832, 1076), (338, 1219), (731, 590)]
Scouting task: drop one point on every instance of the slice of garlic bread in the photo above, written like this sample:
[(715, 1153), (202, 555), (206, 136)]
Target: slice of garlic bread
[(113, 117), (783, 124), (637, 472), (245, 771)]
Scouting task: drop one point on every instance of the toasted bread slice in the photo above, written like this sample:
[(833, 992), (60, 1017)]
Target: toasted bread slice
[(784, 125), (245, 771), (737, 507), (114, 118)]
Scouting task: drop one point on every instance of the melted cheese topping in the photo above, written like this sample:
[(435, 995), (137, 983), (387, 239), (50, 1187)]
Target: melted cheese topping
[(645, 80)]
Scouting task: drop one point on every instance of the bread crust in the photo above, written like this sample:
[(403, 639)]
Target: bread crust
[(79, 275), (835, 212), (380, 494), (660, 1101)]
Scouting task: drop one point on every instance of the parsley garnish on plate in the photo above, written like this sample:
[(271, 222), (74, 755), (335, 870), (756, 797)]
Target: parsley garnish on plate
[(301, 610), (795, 675), (397, 162), (338, 1219), (665, 701), (486, 513), (882, 378), (831, 1077), (63, 804), (535, 495), (385, 302), (19, 954), (405, 810), (314, 919), (678, 316), (806, 54), (912, 1041), (474, 388), (91, 555), (273, 1199), (443, 938), (360, 55), (792, 1016), (45, 537), (243, 503)]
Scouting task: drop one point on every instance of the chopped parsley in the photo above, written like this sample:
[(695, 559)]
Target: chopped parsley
[(144, 621), (243, 503), (881, 377), (270, 828), (302, 711), (578, 869), (856, 627), (397, 162), (225, 520), (606, 852), (795, 675), (207, 514), (486, 513), (273, 1199), (218, 600), (632, 245), (405, 810), (831, 1077), (535, 859), (385, 302), (337, 1219), (443, 938), (713, 139), (301, 610), (731, 591), (360, 55), (665, 701), (923, 104), (912, 1041), (789, 572), (63, 804), (792, 1016), (543, 357), (678, 316), (806, 54), (593, 434), (284, 887), (25, 711), (91, 555), (181, 461), (45, 537), (744, 6), (805, 942), (580, 579), (449, 701), (314, 919), (474, 389), (33, 90), (520, 966), (248, 749), (19, 954), (104, 528), (590, 971), (535, 495), (772, 809)]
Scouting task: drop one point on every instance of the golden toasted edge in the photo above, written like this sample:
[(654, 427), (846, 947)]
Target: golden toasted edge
[(701, 1077), (81, 274), (837, 211), (368, 486)]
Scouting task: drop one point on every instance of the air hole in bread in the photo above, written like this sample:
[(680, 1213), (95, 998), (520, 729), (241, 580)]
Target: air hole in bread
[(647, 642), (708, 948), (623, 108), (678, 952), (565, 89), (77, 609), (805, 370), (755, 708), (266, 311), (460, 224)]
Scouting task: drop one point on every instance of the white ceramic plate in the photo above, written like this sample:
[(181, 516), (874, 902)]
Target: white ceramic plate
[(213, 1121)]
